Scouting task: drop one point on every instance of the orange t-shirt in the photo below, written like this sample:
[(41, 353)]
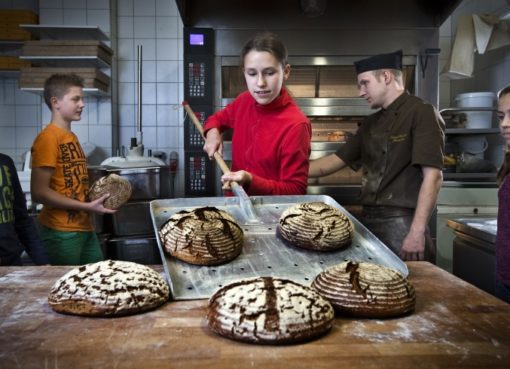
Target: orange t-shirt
[(60, 149)]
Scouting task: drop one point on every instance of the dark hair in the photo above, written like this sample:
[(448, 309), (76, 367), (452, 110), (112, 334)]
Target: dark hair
[(58, 84), (268, 42), (505, 90), (505, 167)]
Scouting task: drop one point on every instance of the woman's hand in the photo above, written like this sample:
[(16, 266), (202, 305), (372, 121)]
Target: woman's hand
[(213, 142), (242, 177)]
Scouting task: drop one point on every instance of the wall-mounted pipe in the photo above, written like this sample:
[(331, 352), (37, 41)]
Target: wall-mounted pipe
[(139, 136)]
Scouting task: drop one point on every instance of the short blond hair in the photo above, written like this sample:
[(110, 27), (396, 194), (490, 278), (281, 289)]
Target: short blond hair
[(397, 73)]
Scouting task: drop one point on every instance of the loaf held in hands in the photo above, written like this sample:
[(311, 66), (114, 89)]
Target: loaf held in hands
[(119, 189)]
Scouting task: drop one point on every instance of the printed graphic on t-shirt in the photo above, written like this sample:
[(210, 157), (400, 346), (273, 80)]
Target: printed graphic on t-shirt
[(74, 171), (6, 196)]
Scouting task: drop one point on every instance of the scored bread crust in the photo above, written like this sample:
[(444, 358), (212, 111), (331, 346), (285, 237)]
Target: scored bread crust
[(119, 189), (108, 288), (366, 290), (315, 226), (202, 236), (269, 310)]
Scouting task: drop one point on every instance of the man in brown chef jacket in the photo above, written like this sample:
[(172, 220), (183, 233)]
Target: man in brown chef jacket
[(400, 150)]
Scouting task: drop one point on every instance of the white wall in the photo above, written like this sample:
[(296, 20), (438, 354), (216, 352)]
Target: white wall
[(157, 26)]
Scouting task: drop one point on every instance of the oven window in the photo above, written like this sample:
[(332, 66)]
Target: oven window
[(310, 81)]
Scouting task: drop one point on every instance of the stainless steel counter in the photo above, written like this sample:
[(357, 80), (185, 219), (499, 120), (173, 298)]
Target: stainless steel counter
[(481, 228), (474, 249)]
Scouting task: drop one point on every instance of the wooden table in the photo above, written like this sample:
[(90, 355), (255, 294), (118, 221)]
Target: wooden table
[(455, 325)]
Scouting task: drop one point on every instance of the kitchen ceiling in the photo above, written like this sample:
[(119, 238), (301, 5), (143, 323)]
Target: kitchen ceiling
[(315, 14)]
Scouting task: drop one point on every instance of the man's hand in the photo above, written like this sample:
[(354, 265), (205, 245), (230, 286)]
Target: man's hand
[(413, 247)]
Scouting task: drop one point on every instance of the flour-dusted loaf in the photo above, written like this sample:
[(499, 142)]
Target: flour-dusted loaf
[(270, 311), (366, 290), (202, 236), (315, 226), (119, 189), (108, 288)]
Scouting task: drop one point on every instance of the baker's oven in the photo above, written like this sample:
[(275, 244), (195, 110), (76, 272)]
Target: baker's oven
[(322, 47)]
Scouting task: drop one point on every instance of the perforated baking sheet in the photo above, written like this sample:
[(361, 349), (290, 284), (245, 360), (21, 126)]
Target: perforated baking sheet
[(264, 254)]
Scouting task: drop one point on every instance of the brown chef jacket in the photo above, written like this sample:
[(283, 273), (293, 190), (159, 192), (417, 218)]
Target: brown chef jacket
[(391, 145)]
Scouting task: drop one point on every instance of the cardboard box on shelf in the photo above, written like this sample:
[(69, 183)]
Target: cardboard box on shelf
[(12, 63), (10, 19)]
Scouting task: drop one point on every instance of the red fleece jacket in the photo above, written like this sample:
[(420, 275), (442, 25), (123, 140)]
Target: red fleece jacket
[(271, 141)]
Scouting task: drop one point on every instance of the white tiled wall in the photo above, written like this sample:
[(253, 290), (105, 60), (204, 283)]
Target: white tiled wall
[(157, 27), (20, 4), (110, 122)]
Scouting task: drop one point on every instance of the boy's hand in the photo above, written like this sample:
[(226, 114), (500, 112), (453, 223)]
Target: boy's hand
[(96, 206)]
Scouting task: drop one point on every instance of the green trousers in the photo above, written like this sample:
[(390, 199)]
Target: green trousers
[(71, 248)]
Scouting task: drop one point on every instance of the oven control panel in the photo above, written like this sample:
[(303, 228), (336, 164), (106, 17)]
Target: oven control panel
[(198, 171), (198, 65), (200, 174), (196, 78), (193, 139), (198, 85)]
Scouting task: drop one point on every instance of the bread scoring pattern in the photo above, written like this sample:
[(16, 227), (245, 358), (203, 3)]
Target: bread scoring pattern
[(108, 288), (202, 236), (269, 310), (366, 290), (316, 226)]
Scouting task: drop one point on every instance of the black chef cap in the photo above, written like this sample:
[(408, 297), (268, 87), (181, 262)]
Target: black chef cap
[(381, 61)]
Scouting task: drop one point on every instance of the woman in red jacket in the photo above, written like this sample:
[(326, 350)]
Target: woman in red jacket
[(271, 136)]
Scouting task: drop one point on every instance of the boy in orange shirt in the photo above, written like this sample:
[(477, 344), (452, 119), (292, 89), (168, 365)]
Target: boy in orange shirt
[(60, 179)]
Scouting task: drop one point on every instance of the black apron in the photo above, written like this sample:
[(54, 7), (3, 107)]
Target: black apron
[(391, 225)]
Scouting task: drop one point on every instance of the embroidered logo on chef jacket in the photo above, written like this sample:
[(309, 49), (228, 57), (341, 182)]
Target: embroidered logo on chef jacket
[(398, 138), (6, 195)]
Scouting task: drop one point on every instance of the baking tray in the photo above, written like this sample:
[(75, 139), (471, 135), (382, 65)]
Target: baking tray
[(264, 254)]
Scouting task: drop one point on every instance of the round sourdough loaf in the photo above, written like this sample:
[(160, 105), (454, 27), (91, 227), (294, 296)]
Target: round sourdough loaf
[(108, 288), (366, 290), (270, 311), (119, 189), (315, 226), (202, 236)]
